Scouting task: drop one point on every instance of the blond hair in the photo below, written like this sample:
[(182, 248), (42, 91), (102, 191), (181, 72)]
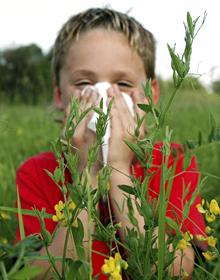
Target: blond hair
[(138, 37)]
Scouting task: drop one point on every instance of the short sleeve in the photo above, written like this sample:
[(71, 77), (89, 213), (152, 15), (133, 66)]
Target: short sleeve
[(185, 183), (37, 191)]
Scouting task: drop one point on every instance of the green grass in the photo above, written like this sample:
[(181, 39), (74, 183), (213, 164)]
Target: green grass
[(24, 131), (189, 114)]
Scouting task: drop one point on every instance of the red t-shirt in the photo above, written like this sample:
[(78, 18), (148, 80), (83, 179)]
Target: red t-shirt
[(37, 190)]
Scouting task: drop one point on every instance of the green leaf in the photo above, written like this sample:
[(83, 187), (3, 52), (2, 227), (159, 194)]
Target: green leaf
[(20, 218), (73, 268), (58, 174), (173, 225), (131, 216), (27, 272), (190, 24), (78, 236), (127, 189), (136, 149), (145, 107), (193, 197), (148, 91)]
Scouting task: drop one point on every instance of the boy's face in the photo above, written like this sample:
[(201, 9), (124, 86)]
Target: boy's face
[(100, 55)]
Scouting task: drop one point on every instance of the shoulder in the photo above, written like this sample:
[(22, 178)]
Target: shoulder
[(42, 161), (176, 156)]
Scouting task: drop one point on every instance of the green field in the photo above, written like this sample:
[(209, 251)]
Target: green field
[(25, 131)]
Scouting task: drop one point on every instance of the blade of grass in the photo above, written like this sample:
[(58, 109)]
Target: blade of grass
[(20, 218)]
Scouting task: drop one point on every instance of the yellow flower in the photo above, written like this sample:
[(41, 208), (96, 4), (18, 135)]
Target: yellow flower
[(211, 241), (209, 217), (200, 208), (182, 244), (208, 230), (200, 237), (60, 214), (72, 205), (4, 216), (209, 256), (185, 241), (214, 208), (187, 236), (113, 266), (115, 276)]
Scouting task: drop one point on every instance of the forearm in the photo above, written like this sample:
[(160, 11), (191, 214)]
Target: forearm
[(117, 199), (56, 249), (183, 264), (184, 260)]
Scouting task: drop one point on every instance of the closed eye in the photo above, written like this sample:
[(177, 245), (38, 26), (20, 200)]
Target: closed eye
[(83, 83), (124, 84)]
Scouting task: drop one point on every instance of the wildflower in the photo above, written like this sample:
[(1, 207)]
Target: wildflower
[(60, 213), (72, 205), (209, 217), (185, 241), (187, 236), (211, 241), (209, 256), (113, 267), (200, 237), (4, 216), (200, 208), (214, 208), (182, 244), (208, 230)]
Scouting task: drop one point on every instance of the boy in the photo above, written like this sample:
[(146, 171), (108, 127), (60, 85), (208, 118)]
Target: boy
[(95, 46)]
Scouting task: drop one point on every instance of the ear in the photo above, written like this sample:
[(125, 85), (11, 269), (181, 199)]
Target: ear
[(155, 91), (57, 97)]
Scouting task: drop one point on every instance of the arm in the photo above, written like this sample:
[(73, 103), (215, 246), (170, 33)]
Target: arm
[(117, 197), (120, 157)]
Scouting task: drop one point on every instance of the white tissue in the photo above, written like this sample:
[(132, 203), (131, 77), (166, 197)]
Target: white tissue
[(101, 88)]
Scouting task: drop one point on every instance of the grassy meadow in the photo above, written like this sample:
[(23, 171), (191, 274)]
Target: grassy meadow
[(26, 130)]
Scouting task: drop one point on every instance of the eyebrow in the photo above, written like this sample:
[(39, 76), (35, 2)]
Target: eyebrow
[(83, 72), (118, 73)]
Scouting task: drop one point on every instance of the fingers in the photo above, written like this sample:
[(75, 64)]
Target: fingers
[(89, 98), (121, 118), (138, 97), (120, 112)]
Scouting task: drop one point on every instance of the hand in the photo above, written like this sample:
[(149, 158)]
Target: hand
[(83, 137), (122, 127)]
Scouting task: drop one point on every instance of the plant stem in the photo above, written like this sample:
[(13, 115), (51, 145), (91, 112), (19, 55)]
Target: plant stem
[(110, 216), (18, 262), (162, 222), (64, 251), (89, 206), (3, 271), (164, 112), (52, 262), (181, 264)]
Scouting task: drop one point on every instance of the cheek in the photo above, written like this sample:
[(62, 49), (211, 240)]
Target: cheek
[(68, 93)]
